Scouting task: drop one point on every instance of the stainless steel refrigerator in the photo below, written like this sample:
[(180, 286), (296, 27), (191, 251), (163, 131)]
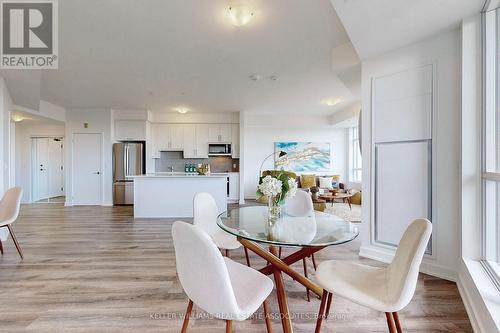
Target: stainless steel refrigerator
[(128, 161)]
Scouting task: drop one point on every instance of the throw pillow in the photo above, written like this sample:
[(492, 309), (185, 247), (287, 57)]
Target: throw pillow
[(307, 181), (326, 183)]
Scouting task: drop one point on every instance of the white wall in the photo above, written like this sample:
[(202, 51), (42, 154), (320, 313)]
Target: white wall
[(25, 130), (443, 51), (5, 110), (262, 131), (99, 121)]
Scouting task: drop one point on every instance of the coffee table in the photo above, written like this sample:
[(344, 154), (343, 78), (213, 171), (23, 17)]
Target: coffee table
[(330, 197)]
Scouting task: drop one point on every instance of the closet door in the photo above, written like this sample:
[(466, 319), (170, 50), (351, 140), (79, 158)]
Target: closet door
[(402, 139)]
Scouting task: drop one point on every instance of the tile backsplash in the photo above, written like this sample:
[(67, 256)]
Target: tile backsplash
[(175, 159)]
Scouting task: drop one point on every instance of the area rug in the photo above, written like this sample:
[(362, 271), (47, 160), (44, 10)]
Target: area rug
[(343, 211)]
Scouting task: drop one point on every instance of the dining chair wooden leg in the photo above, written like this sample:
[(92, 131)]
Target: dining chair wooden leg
[(15, 241), (328, 305), (396, 320), (246, 256), (314, 261), (229, 326), (279, 253), (269, 325), (226, 253), (390, 322), (305, 274), (1, 247), (186, 316), (321, 312)]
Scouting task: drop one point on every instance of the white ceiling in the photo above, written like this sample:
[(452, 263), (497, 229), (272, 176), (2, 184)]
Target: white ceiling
[(378, 26), (160, 54)]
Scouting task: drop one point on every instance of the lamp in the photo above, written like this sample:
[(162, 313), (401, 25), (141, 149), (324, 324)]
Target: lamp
[(281, 154)]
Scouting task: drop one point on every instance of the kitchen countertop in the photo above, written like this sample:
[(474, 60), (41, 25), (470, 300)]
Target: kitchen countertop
[(180, 175)]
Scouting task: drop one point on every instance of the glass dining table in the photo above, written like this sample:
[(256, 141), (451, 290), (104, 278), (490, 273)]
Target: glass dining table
[(308, 234)]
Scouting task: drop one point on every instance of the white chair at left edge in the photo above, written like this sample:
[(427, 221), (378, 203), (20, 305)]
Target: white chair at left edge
[(227, 290), (205, 214)]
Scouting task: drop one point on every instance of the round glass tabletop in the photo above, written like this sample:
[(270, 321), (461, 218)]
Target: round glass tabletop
[(319, 230)]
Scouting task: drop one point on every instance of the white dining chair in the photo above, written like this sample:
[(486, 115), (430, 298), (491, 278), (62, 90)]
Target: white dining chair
[(386, 289), (220, 286), (205, 214), (9, 211), (300, 205)]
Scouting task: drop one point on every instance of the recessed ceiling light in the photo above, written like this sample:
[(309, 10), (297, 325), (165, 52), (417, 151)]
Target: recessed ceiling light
[(254, 77), (240, 14), (182, 110), (18, 118), (274, 77), (331, 101)]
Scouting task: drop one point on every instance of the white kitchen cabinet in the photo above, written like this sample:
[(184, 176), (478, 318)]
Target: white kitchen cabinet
[(235, 141), (176, 137), (166, 137), (202, 141), (225, 133), (219, 133), (196, 141), (130, 130), (234, 187), (189, 141)]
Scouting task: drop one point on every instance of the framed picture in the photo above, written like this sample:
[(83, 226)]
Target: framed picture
[(303, 156)]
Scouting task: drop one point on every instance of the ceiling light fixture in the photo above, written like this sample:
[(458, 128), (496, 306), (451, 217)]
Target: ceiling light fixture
[(182, 110), (18, 118), (331, 101), (240, 14)]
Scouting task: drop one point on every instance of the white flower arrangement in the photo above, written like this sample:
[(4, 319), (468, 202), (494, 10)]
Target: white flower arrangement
[(277, 187), (270, 186)]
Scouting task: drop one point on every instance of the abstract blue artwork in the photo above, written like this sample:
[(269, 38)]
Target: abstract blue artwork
[(303, 156)]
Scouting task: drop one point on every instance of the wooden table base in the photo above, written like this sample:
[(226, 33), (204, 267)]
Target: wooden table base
[(277, 266)]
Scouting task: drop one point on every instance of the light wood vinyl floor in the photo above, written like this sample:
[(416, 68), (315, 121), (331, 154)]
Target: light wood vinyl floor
[(96, 269)]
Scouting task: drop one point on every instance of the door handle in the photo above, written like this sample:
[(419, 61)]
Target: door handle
[(96, 173)]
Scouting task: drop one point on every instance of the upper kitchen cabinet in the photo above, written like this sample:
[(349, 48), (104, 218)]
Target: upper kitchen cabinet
[(196, 141), (130, 130), (235, 141), (166, 137), (219, 133)]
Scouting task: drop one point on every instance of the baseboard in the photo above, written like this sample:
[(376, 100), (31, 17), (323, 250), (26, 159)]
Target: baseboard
[(107, 204), (68, 204), (428, 265)]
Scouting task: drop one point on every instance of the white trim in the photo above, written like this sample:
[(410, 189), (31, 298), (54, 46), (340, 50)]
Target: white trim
[(494, 176), (474, 287), (385, 255)]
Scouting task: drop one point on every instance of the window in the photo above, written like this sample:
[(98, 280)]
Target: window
[(355, 168), (491, 146)]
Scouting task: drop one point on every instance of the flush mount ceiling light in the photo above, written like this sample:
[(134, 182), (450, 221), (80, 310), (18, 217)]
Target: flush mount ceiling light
[(240, 14), (182, 110), (331, 101), (17, 118)]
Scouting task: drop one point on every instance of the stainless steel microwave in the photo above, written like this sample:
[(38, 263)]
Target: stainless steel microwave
[(219, 149)]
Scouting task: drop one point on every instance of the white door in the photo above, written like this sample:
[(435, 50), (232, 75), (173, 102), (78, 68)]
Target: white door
[(55, 167), (40, 148), (87, 173)]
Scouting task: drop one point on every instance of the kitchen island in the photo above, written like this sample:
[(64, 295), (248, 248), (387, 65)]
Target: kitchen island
[(163, 195)]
